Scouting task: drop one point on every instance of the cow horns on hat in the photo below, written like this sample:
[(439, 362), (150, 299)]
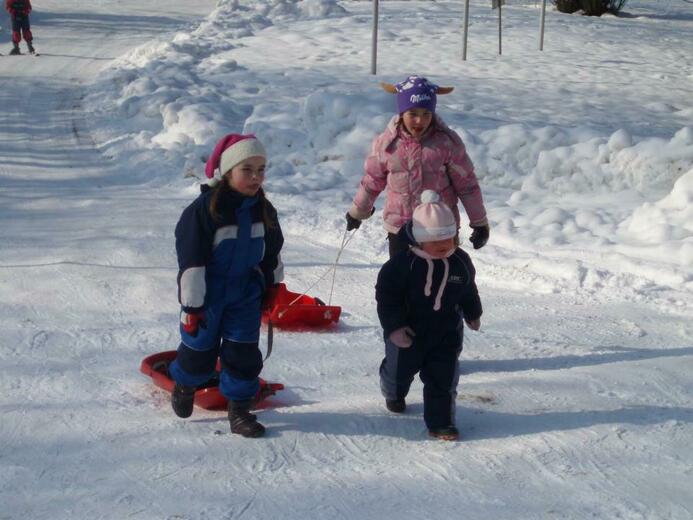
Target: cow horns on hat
[(389, 87)]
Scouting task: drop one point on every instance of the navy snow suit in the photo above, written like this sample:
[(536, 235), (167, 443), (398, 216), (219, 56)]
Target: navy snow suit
[(401, 294), (225, 265)]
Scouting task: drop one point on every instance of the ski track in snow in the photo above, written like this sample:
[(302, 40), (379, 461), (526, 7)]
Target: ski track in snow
[(574, 400)]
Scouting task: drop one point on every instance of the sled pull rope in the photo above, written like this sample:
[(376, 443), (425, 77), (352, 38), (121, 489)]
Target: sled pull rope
[(270, 338), (345, 241), (331, 269)]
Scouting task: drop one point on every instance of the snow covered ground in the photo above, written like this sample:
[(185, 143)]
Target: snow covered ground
[(576, 399)]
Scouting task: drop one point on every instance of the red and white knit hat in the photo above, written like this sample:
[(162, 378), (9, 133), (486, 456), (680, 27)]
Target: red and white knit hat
[(229, 151), (433, 220)]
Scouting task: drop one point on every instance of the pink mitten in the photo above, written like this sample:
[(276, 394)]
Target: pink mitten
[(403, 337)]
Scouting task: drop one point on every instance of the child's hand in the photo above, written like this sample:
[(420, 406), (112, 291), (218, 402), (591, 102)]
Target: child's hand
[(473, 324), (403, 338), (479, 236), (352, 223), (192, 322)]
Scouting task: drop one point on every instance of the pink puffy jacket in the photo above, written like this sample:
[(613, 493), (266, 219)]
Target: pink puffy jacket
[(408, 166)]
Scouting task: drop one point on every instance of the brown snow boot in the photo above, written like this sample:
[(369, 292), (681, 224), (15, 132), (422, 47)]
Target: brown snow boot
[(182, 400), (242, 421), (447, 433)]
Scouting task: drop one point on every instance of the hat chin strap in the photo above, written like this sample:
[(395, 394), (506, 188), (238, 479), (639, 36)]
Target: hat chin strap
[(429, 274)]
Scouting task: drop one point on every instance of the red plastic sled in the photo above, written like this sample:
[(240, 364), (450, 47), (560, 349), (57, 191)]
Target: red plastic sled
[(208, 397), (295, 310)]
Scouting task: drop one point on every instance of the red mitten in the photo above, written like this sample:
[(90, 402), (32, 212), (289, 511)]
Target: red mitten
[(192, 321)]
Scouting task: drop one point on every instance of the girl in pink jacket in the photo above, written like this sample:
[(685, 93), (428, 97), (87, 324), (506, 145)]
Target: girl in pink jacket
[(19, 13), (417, 152)]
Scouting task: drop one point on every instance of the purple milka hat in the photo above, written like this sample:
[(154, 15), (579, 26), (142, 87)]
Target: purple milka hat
[(416, 92)]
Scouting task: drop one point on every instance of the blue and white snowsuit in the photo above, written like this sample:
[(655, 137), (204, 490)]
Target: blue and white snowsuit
[(225, 266), (406, 291)]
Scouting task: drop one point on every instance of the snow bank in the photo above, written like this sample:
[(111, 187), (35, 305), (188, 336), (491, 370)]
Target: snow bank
[(668, 223), (564, 160), (318, 144), (549, 189), (178, 97), (573, 187)]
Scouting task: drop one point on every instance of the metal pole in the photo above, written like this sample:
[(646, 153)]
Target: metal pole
[(374, 42), (541, 29), (500, 47), (466, 30)]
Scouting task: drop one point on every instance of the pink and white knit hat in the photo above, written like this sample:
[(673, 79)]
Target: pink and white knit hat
[(229, 151), (433, 220)]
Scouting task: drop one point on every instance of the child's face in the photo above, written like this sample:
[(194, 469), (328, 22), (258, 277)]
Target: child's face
[(247, 176), (438, 248), (417, 121)]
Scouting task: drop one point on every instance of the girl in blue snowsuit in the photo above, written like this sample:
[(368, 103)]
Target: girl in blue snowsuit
[(424, 294), (228, 243)]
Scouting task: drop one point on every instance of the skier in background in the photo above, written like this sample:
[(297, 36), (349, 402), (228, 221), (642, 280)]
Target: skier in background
[(19, 14), (416, 152), (228, 242), (424, 294)]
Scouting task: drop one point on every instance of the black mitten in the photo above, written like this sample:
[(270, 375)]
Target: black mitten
[(352, 223), (479, 236)]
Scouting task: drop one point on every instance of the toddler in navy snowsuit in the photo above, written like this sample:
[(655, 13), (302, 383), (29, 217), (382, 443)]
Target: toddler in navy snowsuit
[(228, 243), (19, 14), (423, 296)]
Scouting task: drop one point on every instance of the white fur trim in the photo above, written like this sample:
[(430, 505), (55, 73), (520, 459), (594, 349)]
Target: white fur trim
[(239, 152)]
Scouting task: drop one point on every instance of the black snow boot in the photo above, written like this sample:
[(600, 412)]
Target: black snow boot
[(15, 49), (242, 421), (31, 48), (182, 399), (396, 405)]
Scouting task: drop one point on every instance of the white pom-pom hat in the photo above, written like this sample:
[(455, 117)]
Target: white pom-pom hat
[(433, 220)]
